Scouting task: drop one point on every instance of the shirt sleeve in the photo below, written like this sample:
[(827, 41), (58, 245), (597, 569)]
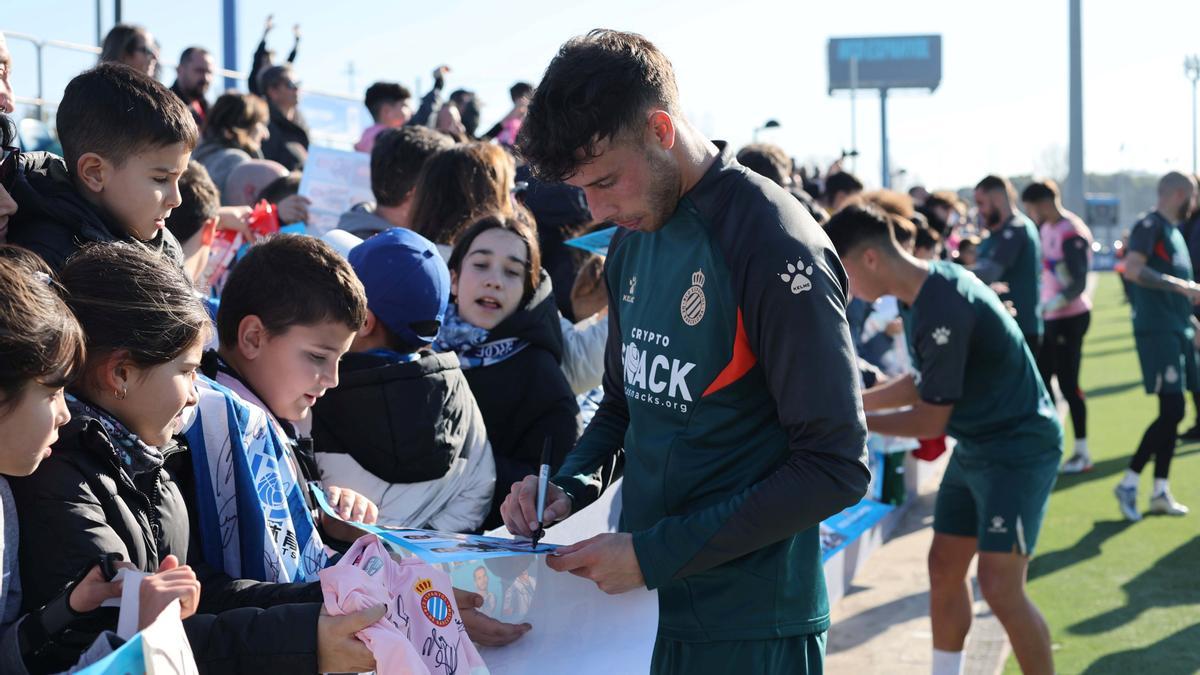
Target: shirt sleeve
[(797, 330), (1075, 263), (1144, 236), (581, 475), (941, 341)]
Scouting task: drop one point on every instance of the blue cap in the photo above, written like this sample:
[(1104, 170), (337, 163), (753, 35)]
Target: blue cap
[(406, 280)]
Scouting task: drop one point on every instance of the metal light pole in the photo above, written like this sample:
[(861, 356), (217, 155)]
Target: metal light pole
[(1191, 67), (1076, 177), (883, 152), (229, 41), (854, 113)]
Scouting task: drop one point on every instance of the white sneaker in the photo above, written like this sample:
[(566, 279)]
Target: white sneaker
[(1127, 500), (1077, 464), (1165, 504)]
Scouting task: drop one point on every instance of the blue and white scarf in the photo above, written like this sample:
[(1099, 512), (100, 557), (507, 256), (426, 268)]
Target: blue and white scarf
[(253, 520), (471, 342)]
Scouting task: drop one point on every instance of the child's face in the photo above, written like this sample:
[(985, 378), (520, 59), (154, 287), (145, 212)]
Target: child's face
[(491, 279), (290, 371), (143, 190), (156, 397), (30, 427)]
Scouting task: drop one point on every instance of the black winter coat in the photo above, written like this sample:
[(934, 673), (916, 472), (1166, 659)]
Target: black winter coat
[(80, 504), (525, 398), (288, 142), (54, 220), (403, 422)]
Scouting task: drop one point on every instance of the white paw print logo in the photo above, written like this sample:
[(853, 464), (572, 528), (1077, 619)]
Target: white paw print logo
[(798, 276), (941, 335)]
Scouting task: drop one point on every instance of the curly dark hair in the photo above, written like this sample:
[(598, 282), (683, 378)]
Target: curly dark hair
[(599, 87)]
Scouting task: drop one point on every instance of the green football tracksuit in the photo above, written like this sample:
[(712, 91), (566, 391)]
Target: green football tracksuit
[(731, 384), (1162, 320), (1016, 251), (969, 352)]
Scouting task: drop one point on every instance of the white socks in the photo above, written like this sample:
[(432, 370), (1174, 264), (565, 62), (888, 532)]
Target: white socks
[(1130, 480), (1081, 448), (947, 663)]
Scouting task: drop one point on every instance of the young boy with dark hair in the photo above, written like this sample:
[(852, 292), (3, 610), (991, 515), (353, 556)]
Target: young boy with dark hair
[(396, 160), (289, 311), (195, 220), (388, 103), (976, 381), (126, 141), (403, 428)]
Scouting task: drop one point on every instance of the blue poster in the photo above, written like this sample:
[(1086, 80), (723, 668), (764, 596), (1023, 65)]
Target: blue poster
[(129, 659), (442, 547), (838, 531)]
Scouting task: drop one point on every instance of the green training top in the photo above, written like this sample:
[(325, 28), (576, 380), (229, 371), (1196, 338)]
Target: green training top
[(731, 383), (1016, 251), (969, 352), (1156, 311)]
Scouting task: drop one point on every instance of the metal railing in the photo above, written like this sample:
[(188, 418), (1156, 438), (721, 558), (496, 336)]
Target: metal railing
[(40, 102)]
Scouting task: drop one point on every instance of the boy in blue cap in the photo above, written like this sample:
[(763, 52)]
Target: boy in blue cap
[(402, 428)]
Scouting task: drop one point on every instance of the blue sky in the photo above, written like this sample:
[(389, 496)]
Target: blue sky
[(1002, 106)]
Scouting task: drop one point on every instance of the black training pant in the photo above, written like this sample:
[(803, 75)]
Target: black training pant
[(1160, 436), (1060, 355)]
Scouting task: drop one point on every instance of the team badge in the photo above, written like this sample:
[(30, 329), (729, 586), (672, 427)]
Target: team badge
[(941, 336), (694, 303), (797, 277), (998, 525), (434, 604)]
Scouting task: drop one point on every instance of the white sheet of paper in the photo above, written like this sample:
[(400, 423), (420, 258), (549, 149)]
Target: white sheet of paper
[(165, 645), (129, 601), (334, 180), (577, 628)]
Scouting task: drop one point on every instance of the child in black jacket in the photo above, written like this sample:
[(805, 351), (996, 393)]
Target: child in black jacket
[(504, 326)]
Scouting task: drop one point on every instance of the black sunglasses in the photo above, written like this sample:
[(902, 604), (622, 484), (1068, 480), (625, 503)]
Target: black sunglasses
[(8, 166)]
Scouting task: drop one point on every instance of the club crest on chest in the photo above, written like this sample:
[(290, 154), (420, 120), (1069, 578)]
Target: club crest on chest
[(692, 307)]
